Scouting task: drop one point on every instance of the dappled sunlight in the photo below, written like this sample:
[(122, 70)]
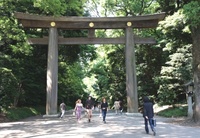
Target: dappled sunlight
[(69, 126), (117, 126)]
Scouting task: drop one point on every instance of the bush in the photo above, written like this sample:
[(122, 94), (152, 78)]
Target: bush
[(174, 112), (14, 114)]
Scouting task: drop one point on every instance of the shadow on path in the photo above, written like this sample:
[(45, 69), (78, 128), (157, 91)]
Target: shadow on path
[(117, 126)]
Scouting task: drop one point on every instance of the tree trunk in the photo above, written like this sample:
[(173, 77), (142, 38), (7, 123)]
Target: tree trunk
[(196, 69)]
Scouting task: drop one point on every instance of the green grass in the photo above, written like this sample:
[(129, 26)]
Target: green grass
[(14, 114), (174, 112)]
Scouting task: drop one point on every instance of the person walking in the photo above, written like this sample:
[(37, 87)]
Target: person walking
[(62, 109), (148, 114), (78, 109), (99, 108), (104, 109), (120, 107), (89, 105), (116, 107)]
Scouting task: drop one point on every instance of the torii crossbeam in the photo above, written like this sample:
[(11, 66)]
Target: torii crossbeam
[(90, 24)]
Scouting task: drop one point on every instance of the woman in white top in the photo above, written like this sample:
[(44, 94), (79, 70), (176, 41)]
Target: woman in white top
[(78, 109), (116, 106)]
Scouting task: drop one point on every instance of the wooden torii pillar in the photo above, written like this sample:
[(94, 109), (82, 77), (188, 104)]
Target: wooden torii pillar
[(52, 73), (90, 24)]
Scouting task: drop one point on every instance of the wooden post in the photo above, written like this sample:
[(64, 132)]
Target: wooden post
[(52, 73), (189, 101), (91, 33), (131, 81)]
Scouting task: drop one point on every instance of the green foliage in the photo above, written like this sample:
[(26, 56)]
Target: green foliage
[(23, 67), (100, 70), (15, 114), (174, 75), (121, 7), (174, 112), (70, 85), (191, 12), (13, 51), (177, 68), (149, 61), (174, 41), (108, 70), (58, 8), (8, 89)]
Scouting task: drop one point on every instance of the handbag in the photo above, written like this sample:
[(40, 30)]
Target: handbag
[(154, 122), (74, 113)]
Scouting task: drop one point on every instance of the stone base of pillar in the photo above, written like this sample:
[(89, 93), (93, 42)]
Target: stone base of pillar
[(134, 114), (51, 116), (190, 115)]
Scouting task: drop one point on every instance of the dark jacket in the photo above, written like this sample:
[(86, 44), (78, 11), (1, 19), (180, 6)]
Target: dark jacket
[(148, 108), (89, 104), (104, 106)]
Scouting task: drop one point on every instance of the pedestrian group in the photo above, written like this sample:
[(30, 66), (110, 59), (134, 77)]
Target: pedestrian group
[(148, 112)]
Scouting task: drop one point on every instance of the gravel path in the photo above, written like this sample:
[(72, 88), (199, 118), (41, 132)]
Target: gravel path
[(117, 126)]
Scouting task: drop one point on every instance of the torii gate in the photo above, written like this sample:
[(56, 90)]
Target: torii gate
[(90, 24)]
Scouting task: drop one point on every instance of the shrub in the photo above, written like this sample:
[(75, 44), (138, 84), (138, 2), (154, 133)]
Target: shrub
[(174, 112), (15, 114)]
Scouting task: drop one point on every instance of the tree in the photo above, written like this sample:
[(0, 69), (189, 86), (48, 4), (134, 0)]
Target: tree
[(13, 48), (192, 11), (176, 68), (23, 67)]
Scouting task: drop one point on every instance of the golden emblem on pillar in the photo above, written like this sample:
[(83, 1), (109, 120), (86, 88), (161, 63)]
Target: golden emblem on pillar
[(198, 66), (53, 24), (129, 24), (91, 24)]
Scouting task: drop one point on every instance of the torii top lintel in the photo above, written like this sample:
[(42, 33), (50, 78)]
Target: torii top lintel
[(73, 22)]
